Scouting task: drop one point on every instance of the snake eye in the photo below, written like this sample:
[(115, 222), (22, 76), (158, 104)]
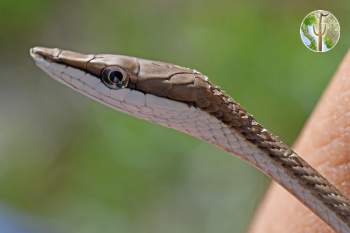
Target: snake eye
[(114, 77)]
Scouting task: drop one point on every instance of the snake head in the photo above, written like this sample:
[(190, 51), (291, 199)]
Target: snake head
[(138, 86)]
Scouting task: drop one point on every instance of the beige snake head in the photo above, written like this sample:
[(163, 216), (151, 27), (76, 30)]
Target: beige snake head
[(140, 87)]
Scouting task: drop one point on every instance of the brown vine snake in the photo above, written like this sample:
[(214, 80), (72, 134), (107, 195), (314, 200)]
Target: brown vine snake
[(184, 99)]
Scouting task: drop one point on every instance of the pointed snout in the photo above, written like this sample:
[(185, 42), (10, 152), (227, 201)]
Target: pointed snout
[(69, 58), (90, 63)]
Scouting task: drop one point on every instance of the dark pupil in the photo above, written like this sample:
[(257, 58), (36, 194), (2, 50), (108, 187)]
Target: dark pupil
[(115, 76)]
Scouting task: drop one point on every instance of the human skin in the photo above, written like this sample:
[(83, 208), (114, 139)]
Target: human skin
[(325, 144)]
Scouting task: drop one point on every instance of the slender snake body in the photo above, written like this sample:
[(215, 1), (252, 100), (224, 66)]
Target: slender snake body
[(184, 99)]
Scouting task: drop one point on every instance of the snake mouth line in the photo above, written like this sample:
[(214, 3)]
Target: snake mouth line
[(35, 55), (44, 53), (68, 58), (53, 57)]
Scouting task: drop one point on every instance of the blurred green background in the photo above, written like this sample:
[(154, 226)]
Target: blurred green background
[(81, 167)]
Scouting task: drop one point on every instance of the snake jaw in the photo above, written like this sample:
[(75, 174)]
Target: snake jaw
[(83, 76), (150, 77)]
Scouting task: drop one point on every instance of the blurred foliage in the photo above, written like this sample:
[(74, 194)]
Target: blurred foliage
[(313, 45), (329, 42), (85, 168), (310, 20), (305, 32)]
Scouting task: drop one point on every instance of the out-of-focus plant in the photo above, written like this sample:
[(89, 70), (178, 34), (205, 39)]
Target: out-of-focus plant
[(310, 20), (329, 42)]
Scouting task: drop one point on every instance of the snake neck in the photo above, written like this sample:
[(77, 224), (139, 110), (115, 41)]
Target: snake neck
[(251, 141)]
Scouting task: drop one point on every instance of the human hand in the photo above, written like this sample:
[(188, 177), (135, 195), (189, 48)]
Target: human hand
[(325, 144)]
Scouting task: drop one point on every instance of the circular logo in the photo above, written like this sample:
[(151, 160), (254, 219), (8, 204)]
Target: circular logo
[(320, 31)]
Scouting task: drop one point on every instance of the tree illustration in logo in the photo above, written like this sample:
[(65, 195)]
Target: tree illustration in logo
[(320, 31)]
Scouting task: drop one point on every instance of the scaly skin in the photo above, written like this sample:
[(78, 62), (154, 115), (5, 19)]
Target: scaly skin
[(325, 143), (213, 116)]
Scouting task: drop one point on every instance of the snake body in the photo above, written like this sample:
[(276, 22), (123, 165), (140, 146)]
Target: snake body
[(185, 100)]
